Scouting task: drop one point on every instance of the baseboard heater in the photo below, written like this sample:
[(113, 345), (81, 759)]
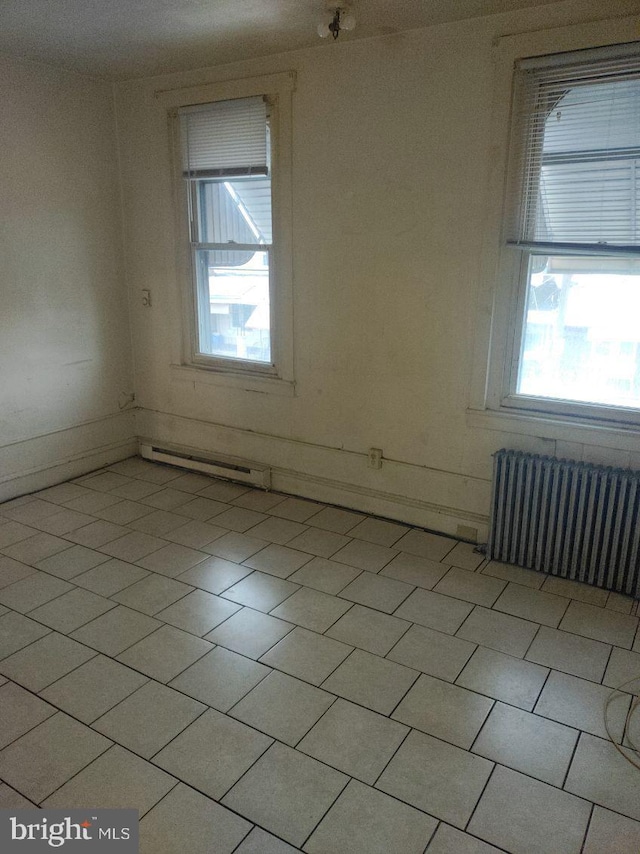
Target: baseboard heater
[(569, 519), (229, 468)]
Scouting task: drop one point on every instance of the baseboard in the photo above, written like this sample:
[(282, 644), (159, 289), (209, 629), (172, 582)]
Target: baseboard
[(441, 501), (43, 461)]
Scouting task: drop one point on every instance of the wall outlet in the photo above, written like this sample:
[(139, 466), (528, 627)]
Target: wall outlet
[(374, 458), (146, 297)]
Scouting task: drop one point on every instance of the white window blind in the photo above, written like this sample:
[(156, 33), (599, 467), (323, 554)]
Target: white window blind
[(227, 138), (576, 182)]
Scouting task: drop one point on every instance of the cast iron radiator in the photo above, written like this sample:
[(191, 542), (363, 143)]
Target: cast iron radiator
[(574, 520)]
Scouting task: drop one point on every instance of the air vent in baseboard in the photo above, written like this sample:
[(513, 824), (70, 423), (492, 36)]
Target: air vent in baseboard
[(229, 468)]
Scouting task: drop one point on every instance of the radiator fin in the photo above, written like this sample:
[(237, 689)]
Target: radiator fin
[(574, 520)]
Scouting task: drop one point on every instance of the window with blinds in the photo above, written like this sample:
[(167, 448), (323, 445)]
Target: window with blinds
[(225, 157), (573, 211)]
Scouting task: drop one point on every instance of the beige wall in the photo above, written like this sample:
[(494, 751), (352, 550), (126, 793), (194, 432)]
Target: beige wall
[(64, 339), (391, 153)]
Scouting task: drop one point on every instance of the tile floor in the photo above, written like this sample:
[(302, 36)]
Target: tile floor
[(259, 673)]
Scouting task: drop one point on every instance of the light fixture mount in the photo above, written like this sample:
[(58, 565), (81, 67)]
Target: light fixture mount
[(341, 19)]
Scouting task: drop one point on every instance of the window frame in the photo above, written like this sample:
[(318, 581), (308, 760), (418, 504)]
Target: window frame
[(504, 268), (278, 375)]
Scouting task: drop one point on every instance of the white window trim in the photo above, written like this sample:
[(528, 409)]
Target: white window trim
[(236, 373), (500, 296)]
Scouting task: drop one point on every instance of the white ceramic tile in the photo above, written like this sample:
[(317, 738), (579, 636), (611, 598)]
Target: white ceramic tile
[(498, 631), (201, 509), (354, 740), (280, 561), (165, 653), (72, 610), (465, 556), (365, 821), (235, 547), (116, 630), (425, 544), (198, 612), (279, 531), (317, 542), (249, 632), (436, 777), (503, 677), (600, 774), (214, 574), (36, 548), (17, 631), (434, 610), (152, 594), (195, 534), (172, 559), (553, 821), (575, 590), (294, 509), (48, 755), (93, 688), (187, 821), (517, 574), (33, 591), (44, 661), (600, 624), (123, 513), (371, 681), (132, 547), (611, 833), (222, 490), (149, 718), (569, 653), (416, 570), (168, 498), (283, 707), (335, 519), (110, 577), (579, 703), (446, 711), (220, 678), (212, 753), (529, 743), (378, 531), (14, 532), (158, 523), (329, 576), (260, 591), (259, 500), (12, 570), (376, 591), (623, 670), (286, 793), (364, 555), (535, 605), (307, 655), (470, 586), (368, 629), (62, 522), (116, 780), (97, 534), (261, 842), (12, 800), (20, 711), (72, 561), (312, 609), (432, 652), (448, 840), (92, 501)]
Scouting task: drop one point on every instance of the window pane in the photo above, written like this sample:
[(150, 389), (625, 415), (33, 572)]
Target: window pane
[(581, 338), (233, 304), (235, 211)]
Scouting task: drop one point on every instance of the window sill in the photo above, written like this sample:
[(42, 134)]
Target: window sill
[(198, 374), (557, 427)]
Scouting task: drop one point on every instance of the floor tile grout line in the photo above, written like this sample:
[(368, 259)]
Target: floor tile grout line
[(481, 795), (565, 776), (482, 726), (587, 828)]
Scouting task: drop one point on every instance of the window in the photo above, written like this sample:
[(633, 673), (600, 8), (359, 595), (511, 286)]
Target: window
[(232, 159), (573, 232), (227, 169)]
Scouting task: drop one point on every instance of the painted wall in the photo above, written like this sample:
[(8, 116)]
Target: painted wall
[(391, 151), (65, 354)]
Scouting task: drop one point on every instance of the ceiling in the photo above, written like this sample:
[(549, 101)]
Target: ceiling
[(119, 39)]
